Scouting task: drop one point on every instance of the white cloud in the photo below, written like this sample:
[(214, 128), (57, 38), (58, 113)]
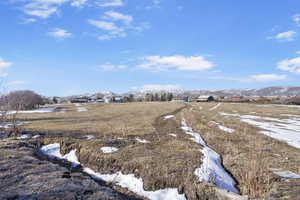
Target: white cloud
[(192, 63), (296, 19), (110, 67), (268, 77), (60, 33), (108, 26), (4, 65), (112, 15), (285, 36), (17, 83), (290, 65), (297, 52), (157, 87), (78, 3), (111, 3)]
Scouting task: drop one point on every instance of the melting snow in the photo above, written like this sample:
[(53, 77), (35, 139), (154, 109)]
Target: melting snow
[(128, 181), (286, 174), (223, 128), (81, 109), (109, 149), (89, 137), (141, 140), (168, 116), (287, 130), (40, 110), (36, 136), (215, 107), (211, 168), (23, 136), (53, 151)]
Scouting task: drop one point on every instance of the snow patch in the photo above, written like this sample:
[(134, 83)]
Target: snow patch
[(53, 151), (168, 116), (287, 130), (36, 136), (89, 137), (109, 149), (40, 110), (128, 181), (135, 185), (173, 135), (228, 130), (211, 168), (142, 140), (215, 107), (81, 109), (24, 136), (285, 174)]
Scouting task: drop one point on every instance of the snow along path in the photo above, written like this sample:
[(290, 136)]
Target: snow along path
[(287, 130), (211, 168), (215, 107), (81, 109), (39, 110), (169, 116), (285, 174), (128, 181)]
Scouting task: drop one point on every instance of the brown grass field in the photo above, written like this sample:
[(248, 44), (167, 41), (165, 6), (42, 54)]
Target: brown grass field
[(168, 161)]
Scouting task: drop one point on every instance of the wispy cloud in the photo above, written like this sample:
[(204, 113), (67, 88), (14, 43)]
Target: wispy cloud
[(3, 66), (117, 16), (285, 36), (157, 87), (110, 67), (177, 62), (296, 19), (59, 33), (253, 78), (290, 65), (110, 3), (17, 83), (78, 3), (268, 77)]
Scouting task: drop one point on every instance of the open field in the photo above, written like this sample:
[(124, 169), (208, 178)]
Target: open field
[(151, 141)]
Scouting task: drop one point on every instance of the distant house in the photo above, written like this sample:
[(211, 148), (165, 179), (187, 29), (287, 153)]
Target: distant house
[(205, 98), (100, 101), (108, 99), (118, 99), (80, 100)]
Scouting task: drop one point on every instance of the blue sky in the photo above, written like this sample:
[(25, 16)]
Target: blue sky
[(64, 47)]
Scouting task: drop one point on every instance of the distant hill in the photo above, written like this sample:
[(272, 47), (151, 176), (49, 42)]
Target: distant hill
[(267, 91)]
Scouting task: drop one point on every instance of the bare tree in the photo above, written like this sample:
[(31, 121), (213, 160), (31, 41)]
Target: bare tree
[(23, 100)]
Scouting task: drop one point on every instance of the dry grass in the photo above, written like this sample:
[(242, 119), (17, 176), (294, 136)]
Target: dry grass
[(246, 153), (170, 161)]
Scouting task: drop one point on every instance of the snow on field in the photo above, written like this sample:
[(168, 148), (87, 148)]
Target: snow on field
[(109, 149), (53, 151), (211, 168), (135, 185), (168, 116), (81, 109), (173, 135), (223, 128), (128, 181), (215, 107), (40, 110), (280, 105), (287, 130), (36, 136), (142, 140), (89, 137), (285, 174), (24, 136)]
